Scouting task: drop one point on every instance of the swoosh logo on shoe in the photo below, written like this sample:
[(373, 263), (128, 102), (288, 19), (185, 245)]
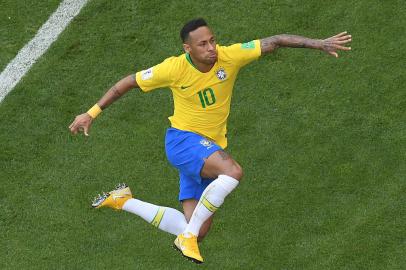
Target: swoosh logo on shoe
[(184, 87), (117, 196)]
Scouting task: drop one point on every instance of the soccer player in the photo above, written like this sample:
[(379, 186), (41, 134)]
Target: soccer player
[(201, 81)]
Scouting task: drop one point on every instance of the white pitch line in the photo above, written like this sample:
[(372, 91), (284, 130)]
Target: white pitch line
[(34, 49)]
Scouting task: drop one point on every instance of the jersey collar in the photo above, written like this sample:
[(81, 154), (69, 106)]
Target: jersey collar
[(189, 59)]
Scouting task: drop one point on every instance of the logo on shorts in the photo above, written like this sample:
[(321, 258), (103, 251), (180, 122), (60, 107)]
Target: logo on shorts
[(221, 74), (206, 143)]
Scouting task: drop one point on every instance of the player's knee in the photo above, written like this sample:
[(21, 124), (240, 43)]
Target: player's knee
[(235, 171)]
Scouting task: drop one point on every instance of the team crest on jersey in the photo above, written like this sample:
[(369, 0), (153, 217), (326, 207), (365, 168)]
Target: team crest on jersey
[(206, 143), (221, 74)]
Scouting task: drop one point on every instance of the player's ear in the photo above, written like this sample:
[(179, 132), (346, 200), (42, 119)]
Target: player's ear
[(186, 47)]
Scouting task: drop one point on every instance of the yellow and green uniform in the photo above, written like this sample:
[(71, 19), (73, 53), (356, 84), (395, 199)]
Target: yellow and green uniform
[(201, 100)]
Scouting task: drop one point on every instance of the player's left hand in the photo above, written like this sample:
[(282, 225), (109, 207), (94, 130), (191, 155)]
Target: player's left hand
[(332, 44)]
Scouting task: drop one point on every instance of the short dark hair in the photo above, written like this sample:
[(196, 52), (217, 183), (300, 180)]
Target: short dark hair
[(191, 26)]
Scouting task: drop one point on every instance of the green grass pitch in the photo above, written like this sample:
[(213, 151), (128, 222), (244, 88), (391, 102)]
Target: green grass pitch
[(322, 140)]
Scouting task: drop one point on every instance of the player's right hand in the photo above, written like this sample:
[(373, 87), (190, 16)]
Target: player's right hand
[(81, 123)]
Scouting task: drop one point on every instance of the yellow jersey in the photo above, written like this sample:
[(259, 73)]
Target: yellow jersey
[(201, 100)]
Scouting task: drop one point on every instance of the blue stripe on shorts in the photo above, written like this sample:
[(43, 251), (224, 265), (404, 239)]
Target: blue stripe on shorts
[(186, 151)]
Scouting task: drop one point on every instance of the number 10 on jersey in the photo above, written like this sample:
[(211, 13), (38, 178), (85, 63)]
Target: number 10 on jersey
[(207, 97)]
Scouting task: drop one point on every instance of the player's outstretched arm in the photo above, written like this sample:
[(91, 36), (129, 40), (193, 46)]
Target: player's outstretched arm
[(83, 121), (329, 45)]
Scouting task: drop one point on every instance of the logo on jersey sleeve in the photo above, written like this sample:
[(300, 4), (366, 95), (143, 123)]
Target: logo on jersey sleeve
[(248, 45), (221, 74), (147, 74)]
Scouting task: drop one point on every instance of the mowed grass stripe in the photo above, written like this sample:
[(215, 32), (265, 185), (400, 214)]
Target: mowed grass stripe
[(34, 49)]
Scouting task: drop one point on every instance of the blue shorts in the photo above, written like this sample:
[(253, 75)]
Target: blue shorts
[(186, 151)]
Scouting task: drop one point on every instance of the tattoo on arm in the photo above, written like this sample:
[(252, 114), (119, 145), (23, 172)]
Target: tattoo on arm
[(118, 90), (115, 92), (112, 95), (224, 155), (268, 45), (272, 43)]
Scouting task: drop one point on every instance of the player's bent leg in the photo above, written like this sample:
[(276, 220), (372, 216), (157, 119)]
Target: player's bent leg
[(189, 152), (227, 173), (211, 199), (188, 208)]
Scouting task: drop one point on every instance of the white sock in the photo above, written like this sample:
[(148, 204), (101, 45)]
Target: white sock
[(167, 219), (212, 198)]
